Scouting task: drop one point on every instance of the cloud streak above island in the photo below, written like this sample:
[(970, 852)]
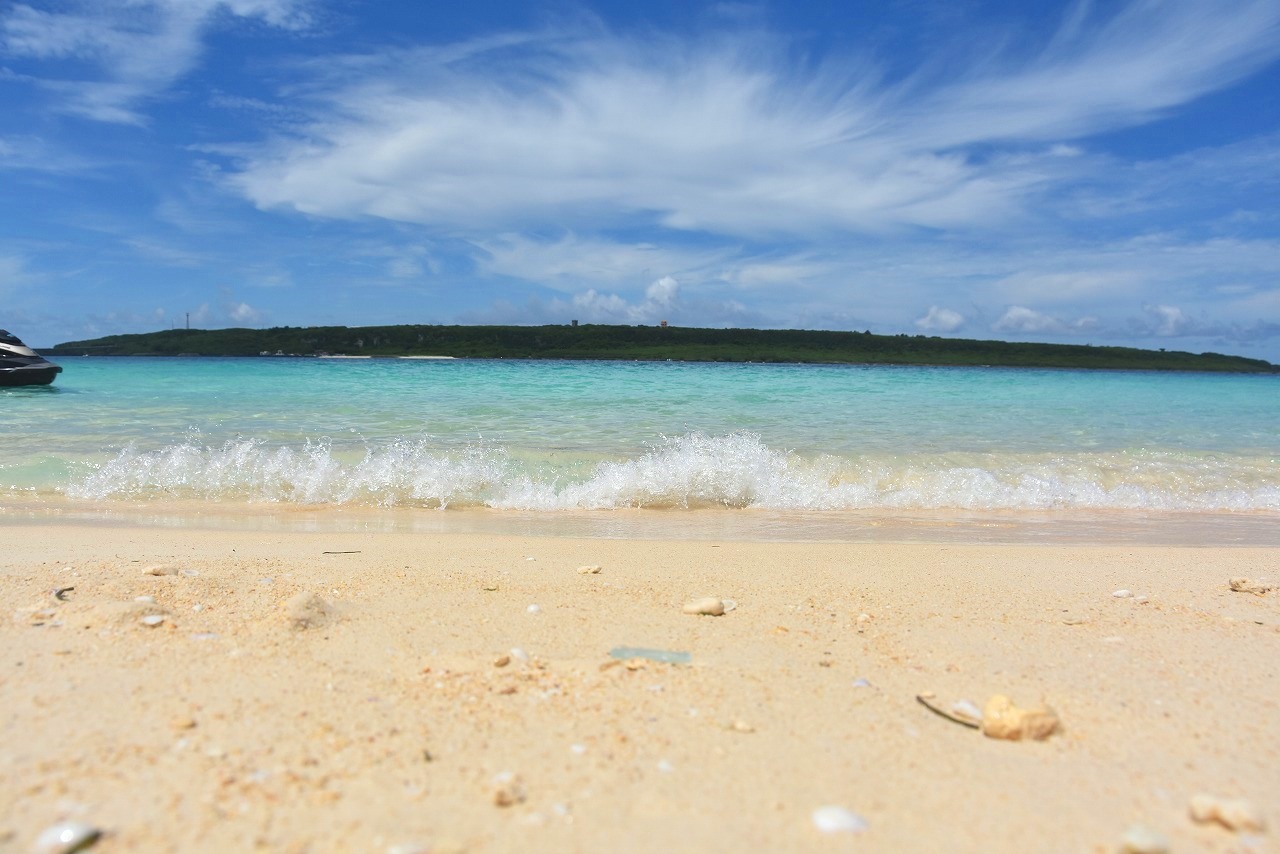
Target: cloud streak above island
[(1051, 177)]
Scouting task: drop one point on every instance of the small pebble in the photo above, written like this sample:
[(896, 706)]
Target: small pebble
[(861, 683), (161, 569), (1123, 594), (67, 837), (833, 819), (593, 569), (665, 767), (183, 722), (150, 600), (709, 606), (1143, 840), (1141, 600), (502, 661), (152, 620), (742, 726), (508, 789), (578, 748), (519, 655), (533, 609), (188, 573), (1234, 815)]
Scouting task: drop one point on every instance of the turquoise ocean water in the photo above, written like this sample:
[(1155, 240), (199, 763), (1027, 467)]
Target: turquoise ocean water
[(543, 437)]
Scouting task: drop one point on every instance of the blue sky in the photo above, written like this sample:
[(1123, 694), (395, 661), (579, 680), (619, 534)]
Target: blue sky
[(1103, 173)]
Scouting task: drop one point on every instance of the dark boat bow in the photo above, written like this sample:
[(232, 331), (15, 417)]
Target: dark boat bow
[(20, 365)]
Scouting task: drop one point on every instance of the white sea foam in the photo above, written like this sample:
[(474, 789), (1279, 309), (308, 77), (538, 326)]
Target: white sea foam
[(690, 471)]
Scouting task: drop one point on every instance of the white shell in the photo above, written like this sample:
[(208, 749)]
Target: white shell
[(66, 837), (832, 819), (1123, 594), (707, 606), (1143, 840)]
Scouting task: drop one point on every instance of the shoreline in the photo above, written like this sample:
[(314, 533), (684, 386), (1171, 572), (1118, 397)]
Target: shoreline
[(1258, 529), (50, 351), (384, 720)]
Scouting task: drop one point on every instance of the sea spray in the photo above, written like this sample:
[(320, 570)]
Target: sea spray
[(694, 470)]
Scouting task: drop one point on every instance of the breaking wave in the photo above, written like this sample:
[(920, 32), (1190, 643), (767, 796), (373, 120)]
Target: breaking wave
[(690, 471)]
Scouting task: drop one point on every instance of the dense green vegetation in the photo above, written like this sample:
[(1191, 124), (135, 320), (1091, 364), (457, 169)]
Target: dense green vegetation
[(649, 343)]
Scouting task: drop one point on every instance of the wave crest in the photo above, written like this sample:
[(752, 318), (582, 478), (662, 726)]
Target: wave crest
[(690, 471)]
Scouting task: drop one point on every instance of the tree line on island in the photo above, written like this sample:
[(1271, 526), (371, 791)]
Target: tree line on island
[(648, 343)]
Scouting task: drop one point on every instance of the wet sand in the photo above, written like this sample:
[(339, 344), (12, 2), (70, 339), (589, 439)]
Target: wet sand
[(384, 720)]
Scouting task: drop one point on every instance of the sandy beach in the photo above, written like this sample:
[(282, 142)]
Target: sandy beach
[(322, 691)]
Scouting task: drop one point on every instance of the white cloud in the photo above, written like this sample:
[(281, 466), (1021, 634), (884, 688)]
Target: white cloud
[(244, 313), (662, 293), (139, 47), (660, 299), (570, 262), (1147, 58), (785, 271), (938, 319), (1169, 319), (729, 137), (1020, 319)]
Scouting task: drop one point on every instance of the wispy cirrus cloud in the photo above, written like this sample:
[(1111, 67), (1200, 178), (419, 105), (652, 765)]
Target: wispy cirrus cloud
[(732, 137), (103, 59)]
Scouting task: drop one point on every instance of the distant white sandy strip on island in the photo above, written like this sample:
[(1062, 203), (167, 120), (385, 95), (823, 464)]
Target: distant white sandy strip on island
[(211, 690)]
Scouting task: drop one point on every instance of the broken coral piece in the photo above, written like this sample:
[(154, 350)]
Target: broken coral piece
[(1002, 719)]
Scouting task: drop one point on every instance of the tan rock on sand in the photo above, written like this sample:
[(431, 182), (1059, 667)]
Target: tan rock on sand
[(1002, 719)]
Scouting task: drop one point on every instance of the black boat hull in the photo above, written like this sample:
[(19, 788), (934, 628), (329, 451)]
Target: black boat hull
[(20, 365), (29, 375)]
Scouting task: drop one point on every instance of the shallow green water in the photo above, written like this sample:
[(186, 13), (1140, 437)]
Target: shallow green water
[(561, 435)]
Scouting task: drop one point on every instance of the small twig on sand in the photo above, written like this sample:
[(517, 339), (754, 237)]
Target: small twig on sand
[(929, 702)]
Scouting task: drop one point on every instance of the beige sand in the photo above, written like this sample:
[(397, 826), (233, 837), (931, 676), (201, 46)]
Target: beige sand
[(227, 728)]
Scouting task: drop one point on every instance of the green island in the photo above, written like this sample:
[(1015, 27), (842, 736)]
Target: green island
[(650, 343)]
